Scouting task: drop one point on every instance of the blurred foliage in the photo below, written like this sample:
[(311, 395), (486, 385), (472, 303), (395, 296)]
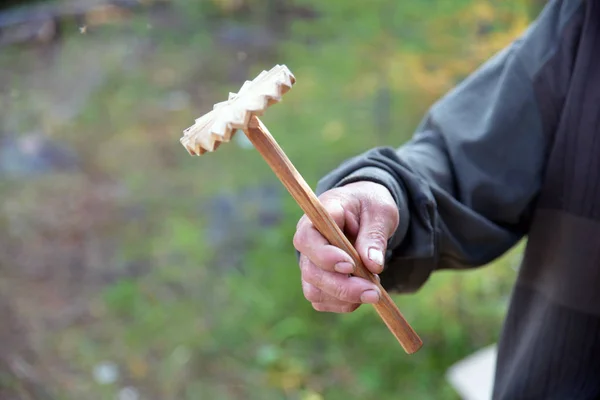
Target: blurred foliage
[(180, 324)]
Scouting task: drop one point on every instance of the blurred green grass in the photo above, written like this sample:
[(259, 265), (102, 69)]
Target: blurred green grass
[(190, 327)]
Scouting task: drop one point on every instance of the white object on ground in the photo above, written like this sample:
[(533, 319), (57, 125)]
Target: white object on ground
[(106, 373), (128, 393), (473, 377)]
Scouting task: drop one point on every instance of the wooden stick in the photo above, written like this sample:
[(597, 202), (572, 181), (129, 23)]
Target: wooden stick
[(264, 142)]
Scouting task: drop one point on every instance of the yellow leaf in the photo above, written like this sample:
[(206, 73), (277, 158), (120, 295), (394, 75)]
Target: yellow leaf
[(483, 10), (311, 395), (228, 5), (363, 86), (333, 130), (137, 367)]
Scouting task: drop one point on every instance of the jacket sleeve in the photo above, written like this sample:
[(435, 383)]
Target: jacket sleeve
[(465, 184)]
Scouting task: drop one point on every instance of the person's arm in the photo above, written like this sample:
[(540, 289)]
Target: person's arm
[(466, 183)]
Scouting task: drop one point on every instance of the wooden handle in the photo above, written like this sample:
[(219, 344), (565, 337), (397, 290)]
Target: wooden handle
[(264, 142)]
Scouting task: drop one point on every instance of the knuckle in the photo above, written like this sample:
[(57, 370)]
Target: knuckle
[(312, 294), (329, 194), (331, 202), (297, 240), (342, 292), (304, 263), (391, 213), (300, 238), (335, 208), (377, 236), (389, 209), (312, 275), (301, 221)]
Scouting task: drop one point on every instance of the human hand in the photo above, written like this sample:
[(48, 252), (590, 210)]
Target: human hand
[(368, 215)]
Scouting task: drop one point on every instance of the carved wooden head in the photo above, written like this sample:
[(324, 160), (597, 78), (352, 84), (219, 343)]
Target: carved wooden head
[(255, 96)]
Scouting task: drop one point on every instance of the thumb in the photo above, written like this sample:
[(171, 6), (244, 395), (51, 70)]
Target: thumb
[(377, 224)]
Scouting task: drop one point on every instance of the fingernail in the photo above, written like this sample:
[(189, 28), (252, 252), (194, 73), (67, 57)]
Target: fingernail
[(376, 256), (344, 267), (369, 296)]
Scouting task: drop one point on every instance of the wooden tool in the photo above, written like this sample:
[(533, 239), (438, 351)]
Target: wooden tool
[(240, 112)]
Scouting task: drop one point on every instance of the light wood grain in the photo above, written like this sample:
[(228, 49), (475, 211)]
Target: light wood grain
[(264, 142), (226, 117)]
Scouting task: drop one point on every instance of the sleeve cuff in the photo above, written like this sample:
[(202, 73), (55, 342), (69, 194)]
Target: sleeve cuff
[(377, 175)]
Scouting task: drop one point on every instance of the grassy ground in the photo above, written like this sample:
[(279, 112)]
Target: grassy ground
[(178, 273)]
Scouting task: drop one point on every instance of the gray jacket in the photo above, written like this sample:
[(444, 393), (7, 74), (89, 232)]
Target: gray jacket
[(512, 151)]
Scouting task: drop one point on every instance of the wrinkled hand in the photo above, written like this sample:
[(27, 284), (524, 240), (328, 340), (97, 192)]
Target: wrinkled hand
[(368, 215)]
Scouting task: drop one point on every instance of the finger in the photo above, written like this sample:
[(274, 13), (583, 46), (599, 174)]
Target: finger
[(310, 243), (323, 302), (344, 209), (335, 308), (316, 295), (307, 240), (340, 286), (377, 224)]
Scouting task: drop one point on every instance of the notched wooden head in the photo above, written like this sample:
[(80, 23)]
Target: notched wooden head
[(255, 96)]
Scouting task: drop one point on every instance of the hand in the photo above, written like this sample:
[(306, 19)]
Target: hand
[(368, 215)]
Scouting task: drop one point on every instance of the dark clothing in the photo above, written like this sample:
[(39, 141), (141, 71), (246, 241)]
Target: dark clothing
[(513, 151)]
